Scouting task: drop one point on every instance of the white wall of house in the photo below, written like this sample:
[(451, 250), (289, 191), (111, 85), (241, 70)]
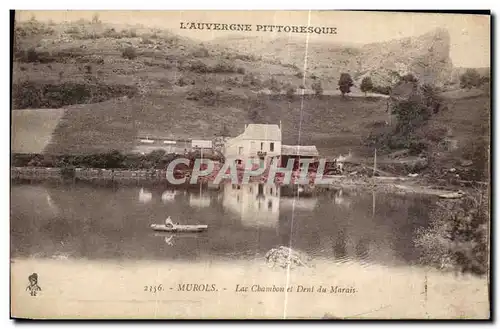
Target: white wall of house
[(250, 148), (242, 147)]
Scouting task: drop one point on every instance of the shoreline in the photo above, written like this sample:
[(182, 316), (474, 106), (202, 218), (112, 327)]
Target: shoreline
[(396, 184)]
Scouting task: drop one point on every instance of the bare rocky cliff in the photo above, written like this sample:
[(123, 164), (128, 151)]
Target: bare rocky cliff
[(426, 56)]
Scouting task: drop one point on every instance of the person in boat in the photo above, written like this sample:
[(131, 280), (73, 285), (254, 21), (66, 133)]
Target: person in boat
[(169, 223)]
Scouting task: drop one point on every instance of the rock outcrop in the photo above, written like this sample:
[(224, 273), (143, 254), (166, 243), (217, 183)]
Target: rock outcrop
[(427, 57), (285, 257)]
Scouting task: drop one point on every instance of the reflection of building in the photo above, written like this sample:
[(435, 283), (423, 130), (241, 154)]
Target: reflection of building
[(145, 196), (200, 200), (302, 203), (258, 141), (341, 200), (258, 204), (168, 195)]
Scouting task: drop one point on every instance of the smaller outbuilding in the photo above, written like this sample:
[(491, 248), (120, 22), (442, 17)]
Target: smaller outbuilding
[(298, 152)]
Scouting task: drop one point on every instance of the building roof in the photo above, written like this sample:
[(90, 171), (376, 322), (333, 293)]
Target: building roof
[(301, 150), (262, 132)]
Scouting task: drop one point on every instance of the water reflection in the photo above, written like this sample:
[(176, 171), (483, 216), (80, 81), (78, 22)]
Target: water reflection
[(340, 199), (243, 221), (256, 204), (170, 239), (199, 200), (168, 195), (145, 196)]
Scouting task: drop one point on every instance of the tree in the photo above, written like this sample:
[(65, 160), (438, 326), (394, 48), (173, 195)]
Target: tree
[(318, 89), (274, 85), (129, 53), (95, 19), (409, 78), (345, 83), (431, 98), (471, 78), (225, 131), (366, 85), (112, 159)]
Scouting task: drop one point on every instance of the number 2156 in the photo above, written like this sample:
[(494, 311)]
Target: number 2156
[(153, 289)]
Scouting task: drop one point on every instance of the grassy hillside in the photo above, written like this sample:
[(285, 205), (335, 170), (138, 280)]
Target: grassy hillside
[(115, 82), (32, 129)]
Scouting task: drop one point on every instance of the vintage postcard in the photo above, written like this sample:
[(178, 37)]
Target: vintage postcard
[(250, 165)]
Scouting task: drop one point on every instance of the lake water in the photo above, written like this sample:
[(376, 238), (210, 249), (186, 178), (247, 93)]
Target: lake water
[(95, 254), (245, 221)]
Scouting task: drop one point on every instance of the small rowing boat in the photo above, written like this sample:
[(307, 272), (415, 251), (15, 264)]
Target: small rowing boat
[(179, 228), (169, 226), (453, 195)]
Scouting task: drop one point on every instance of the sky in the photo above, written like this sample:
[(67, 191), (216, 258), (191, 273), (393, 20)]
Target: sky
[(470, 34)]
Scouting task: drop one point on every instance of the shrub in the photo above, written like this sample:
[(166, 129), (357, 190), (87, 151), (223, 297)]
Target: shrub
[(68, 172), (32, 28), (231, 81), (240, 70), (478, 150), (32, 55), (90, 35), (250, 80), (290, 92), (31, 94), (318, 89), (111, 33), (129, 53), (206, 95), (273, 85), (457, 237), (254, 116), (471, 78), (409, 78), (225, 131), (181, 82), (73, 30), (129, 33), (201, 52), (431, 97), (224, 67), (384, 90), (242, 57), (299, 75), (146, 41), (198, 67)]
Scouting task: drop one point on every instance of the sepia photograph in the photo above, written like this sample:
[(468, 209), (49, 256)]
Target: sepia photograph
[(285, 164)]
